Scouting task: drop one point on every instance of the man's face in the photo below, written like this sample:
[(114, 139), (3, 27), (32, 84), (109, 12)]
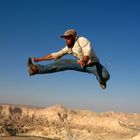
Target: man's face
[(70, 40)]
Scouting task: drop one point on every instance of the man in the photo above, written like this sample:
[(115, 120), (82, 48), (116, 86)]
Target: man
[(86, 59)]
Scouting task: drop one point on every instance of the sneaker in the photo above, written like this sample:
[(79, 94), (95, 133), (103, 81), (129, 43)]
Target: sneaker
[(32, 69), (103, 84)]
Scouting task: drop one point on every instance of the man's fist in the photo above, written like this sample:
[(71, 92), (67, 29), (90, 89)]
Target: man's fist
[(82, 63), (35, 59)]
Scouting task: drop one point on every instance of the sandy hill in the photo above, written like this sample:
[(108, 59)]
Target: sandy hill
[(61, 123)]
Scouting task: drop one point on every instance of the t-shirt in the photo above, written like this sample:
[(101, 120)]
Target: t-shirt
[(81, 48)]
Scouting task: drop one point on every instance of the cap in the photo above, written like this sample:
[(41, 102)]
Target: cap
[(69, 32)]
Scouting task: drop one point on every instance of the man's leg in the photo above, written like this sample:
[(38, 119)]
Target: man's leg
[(101, 73), (59, 65), (97, 69), (68, 64)]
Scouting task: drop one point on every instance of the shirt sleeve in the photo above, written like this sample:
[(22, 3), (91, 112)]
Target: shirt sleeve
[(59, 54), (85, 45)]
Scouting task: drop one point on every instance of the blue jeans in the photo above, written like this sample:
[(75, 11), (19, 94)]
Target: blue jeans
[(70, 64)]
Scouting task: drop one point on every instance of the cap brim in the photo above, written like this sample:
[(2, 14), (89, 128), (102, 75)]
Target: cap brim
[(62, 36)]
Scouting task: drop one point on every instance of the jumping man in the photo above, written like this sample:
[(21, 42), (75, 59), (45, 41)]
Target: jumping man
[(86, 59)]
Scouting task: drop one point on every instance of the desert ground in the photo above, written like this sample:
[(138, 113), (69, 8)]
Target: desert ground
[(60, 123), (22, 138)]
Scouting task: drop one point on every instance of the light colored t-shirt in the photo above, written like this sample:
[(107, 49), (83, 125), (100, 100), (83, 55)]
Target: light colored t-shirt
[(81, 48)]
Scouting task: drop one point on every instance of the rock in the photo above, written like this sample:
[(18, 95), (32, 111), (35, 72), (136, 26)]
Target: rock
[(59, 122)]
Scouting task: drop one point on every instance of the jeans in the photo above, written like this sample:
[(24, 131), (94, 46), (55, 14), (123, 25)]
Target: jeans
[(69, 64)]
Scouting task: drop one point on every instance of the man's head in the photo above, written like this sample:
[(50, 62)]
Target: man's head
[(70, 37)]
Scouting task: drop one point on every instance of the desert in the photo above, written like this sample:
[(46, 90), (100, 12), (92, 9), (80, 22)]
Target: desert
[(60, 123)]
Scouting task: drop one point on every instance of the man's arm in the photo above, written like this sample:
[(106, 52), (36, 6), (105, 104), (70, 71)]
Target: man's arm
[(86, 49), (55, 55), (47, 57)]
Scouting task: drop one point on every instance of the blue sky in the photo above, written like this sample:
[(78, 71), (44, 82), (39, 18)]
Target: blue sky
[(33, 28)]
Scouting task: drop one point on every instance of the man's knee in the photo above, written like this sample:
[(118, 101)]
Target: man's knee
[(105, 74)]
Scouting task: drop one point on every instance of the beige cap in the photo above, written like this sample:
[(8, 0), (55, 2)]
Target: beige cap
[(69, 32)]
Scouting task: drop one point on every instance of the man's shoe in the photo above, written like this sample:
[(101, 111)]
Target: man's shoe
[(32, 69), (103, 84)]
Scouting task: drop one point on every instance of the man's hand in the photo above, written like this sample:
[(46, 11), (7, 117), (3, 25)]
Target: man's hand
[(83, 61), (35, 59), (45, 58)]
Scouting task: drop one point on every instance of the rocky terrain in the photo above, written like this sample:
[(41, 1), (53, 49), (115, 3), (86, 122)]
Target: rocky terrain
[(60, 123)]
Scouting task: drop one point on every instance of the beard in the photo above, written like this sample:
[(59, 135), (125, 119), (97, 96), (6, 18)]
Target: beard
[(70, 44)]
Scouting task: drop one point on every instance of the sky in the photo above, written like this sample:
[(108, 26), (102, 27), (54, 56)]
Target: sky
[(32, 28)]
